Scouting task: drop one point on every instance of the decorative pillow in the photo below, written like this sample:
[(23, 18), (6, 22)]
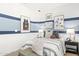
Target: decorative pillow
[(48, 34), (54, 35)]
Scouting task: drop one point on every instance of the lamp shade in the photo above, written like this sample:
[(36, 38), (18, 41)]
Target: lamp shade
[(71, 31), (71, 34)]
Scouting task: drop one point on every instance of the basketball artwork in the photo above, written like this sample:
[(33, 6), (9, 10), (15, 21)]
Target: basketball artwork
[(25, 24)]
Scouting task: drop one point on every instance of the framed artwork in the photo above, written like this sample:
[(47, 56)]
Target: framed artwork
[(59, 22), (49, 25), (25, 24)]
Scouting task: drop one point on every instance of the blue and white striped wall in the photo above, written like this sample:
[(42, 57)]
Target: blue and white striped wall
[(8, 24)]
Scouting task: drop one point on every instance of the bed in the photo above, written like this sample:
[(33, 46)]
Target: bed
[(48, 47)]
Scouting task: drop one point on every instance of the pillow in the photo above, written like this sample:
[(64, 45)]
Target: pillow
[(48, 34), (54, 35)]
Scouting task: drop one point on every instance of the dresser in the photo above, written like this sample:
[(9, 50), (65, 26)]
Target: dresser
[(72, 47)]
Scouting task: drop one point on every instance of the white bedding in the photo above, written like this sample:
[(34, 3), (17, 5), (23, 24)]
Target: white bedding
[(50, 46), (57, 45)]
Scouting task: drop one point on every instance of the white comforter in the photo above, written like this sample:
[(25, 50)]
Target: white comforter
[(55, 45)]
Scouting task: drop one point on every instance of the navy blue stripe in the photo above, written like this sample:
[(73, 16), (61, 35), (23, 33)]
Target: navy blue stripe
[(8, 32), (50, 21), (13, 32), (77, 32), (33, 31), (69, 19), (42, 21), (16, 18), (9, 17), (61, 31), (37, 22), (66, 19)]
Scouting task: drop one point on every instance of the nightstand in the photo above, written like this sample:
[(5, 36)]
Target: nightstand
[(72, 47)]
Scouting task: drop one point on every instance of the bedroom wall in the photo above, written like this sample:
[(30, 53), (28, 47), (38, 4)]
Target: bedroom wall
[(73, 23), (12, 42), (69, 10)]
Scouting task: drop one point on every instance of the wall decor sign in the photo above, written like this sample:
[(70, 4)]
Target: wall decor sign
[(25, 24), (59, 22)]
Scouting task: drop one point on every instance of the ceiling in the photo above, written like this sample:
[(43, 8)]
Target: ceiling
[(48, 5), (68, 9), (43, 5)]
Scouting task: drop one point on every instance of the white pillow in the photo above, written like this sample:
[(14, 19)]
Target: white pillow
[(48, 34)]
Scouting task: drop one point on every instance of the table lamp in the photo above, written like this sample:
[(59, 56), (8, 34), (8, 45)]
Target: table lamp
[(71, 34)]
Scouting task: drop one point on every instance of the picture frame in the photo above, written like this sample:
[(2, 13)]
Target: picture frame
[(25, 24), (49, 25), (59, 22)]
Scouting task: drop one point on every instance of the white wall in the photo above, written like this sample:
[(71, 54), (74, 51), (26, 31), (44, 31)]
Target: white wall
[(69, 10), (12, 42)]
